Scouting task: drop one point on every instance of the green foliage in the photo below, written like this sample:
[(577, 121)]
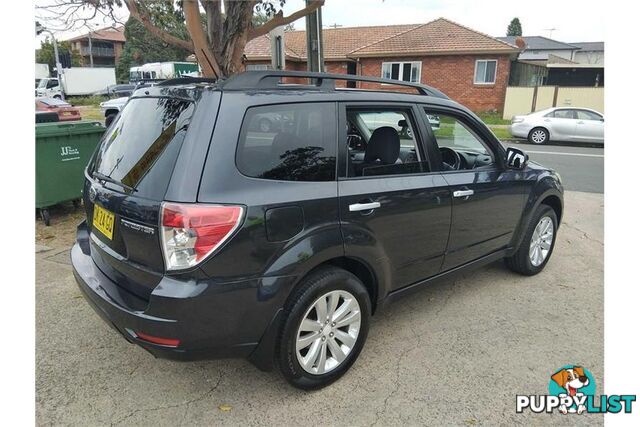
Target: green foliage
[(514, 28), (142, 47), (88, 100), (46, 54)]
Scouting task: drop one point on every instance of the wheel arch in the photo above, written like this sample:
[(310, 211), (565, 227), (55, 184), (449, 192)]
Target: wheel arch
[(554, 201), (358, 267), (540, 127), (546, 191)]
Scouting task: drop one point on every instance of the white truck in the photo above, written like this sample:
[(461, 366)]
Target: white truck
[(42, 71), (163, 70), (77, 81)]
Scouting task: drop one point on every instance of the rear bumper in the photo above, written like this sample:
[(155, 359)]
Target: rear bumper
[(211, 321), (519, 130)]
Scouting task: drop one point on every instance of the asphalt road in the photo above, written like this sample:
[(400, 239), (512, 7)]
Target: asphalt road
[(581, 168), (455, 353)]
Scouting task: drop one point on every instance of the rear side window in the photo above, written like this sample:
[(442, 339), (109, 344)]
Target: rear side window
[(140, 148), (289, 142)]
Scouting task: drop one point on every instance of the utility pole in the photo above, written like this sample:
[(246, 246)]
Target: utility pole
[(40, 29), (315, 57), (90, 50)]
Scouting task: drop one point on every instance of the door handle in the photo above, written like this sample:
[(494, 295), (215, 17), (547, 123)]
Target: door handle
[(580, 122), (359, 207), (463, 193)]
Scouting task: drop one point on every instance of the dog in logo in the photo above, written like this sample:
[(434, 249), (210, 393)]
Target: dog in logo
[(572, 380)]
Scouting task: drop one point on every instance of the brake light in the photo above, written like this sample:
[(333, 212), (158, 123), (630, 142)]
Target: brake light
[(191, 232)]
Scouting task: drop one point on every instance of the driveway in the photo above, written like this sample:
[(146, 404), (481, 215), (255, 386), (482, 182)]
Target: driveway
[(454, 353)]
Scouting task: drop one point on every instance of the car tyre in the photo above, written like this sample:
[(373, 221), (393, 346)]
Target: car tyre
[(109, 119), (538, 136), (525, 261), (290, 354)]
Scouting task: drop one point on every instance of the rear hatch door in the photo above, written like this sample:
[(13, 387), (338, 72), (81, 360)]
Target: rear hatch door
[(125, 186)]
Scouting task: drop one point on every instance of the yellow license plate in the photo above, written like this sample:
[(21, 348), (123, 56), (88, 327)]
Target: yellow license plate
[(103, 220)]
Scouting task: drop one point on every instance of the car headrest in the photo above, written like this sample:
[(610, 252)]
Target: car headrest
[(384, 145), (402, 123)]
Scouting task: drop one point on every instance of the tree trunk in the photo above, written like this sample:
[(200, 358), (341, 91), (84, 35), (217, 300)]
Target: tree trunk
[(204, 54)]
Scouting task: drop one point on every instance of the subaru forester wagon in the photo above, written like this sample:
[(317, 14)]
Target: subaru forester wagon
[(210, 235)]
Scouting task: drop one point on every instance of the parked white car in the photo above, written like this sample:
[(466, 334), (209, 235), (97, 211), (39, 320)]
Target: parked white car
[(111, 108), (559, 124)]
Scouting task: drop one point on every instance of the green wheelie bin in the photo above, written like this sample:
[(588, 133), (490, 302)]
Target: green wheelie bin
[(62, 153)]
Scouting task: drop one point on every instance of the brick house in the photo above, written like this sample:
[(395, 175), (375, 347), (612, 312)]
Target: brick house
[(106, 46), (470, 67)]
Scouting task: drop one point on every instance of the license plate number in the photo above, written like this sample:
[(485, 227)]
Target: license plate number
[(103, 220)]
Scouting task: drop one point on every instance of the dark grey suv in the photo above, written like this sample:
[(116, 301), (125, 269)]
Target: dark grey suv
[(208, 236)]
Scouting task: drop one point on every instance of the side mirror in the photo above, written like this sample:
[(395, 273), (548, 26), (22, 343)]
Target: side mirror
[(516, 159)]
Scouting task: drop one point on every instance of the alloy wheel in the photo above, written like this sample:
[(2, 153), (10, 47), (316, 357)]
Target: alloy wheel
[(328, 332), (541, 241), (538, 136)]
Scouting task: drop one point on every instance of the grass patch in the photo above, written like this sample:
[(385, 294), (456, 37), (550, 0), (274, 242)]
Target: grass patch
[(491, 118), (91, 113), (501, 133), (87, 100)]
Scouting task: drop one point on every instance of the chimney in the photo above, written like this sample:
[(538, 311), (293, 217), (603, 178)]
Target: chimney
[(520, 43)]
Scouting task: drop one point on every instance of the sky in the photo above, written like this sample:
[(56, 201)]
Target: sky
[(572, 21)]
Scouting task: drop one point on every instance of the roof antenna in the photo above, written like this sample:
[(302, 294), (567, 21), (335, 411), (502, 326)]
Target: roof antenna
[(551, 30)]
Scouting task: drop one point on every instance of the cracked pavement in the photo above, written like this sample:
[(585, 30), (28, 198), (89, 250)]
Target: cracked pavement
[(454, 353)]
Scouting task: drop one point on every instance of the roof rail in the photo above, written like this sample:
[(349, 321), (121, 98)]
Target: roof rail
[(270, 79), (186, 80)]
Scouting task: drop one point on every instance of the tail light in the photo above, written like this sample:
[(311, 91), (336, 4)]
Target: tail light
[(191, 232)]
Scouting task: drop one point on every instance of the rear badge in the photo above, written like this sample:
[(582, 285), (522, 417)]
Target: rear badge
[(137, 227)]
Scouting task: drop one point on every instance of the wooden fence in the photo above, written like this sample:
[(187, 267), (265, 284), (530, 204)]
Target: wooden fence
[(525, 100)]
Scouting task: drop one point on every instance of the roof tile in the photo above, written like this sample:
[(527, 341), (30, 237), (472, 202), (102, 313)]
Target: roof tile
[(439, 36)]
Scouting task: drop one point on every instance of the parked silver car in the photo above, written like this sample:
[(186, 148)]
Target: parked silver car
[(559, 124)]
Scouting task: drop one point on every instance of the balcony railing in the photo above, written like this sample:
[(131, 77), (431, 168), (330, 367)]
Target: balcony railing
[(98, 51)]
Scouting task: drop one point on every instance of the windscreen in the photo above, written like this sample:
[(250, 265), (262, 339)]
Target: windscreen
[(140, 148)]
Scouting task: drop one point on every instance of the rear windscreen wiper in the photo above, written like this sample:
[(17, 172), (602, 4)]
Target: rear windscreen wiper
[(108, 179)]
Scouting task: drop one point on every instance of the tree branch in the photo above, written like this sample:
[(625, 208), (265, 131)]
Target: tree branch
[(279, 20), (143, 17), (205, 56)]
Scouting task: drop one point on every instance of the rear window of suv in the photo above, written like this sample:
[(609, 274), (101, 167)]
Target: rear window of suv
[(290, 142), (140, 148)]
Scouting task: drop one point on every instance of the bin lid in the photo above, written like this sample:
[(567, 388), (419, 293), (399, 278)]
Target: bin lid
[(69, 128)]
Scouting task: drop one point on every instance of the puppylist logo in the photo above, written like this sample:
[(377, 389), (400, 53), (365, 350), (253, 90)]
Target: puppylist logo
[(572, 390)]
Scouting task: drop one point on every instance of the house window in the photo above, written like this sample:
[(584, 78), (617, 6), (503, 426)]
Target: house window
[(406, 71), (257, 67), (485, 72)]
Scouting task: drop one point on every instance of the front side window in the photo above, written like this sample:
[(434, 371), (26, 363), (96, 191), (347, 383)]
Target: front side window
[(404, 71), (289, 142), (564, 114), (485, 71), (460, 146), (382, 142), (52, 83)]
